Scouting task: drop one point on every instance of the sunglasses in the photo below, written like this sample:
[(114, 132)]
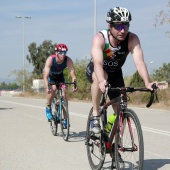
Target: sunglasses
[(119, 27), (62, 52)]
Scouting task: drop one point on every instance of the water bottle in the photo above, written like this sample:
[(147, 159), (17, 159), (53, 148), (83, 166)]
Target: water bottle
[(110, 122)]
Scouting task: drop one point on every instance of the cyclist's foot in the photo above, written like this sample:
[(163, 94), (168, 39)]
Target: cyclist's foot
[(96, 125), (49, 113), (65, 124)]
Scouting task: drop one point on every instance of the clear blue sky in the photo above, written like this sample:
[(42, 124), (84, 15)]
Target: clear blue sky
[(72, 22)]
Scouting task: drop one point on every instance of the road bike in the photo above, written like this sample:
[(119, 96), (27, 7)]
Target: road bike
[(60, 112), (124, 143)]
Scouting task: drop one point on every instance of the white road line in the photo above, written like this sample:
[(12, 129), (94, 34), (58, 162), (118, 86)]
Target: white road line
[(166, 133), (157, 154), (38, 107), (156, 131)]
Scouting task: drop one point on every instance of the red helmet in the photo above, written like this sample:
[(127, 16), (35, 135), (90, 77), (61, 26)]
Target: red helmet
[(61, 47)]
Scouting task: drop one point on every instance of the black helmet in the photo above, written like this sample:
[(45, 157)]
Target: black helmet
[(118, 14)]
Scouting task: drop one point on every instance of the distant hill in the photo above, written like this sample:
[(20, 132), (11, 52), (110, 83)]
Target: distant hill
[(7, 80)]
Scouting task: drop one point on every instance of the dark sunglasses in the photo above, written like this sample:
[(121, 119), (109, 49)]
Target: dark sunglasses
[(62, 52), (119, 27)]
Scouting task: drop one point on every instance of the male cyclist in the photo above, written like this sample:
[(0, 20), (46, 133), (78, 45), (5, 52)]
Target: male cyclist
[(53, 72), (109, 50)]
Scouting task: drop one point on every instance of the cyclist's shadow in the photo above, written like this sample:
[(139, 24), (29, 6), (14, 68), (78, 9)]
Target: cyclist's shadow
[(77, 136), (155, 164), (5, 108)]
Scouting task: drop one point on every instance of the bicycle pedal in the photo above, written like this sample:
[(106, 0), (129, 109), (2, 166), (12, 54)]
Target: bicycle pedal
[(88, 142), (94, 138)]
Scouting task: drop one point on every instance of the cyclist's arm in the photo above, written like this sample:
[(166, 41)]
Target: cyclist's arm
[(97, 56), (70, 66), (138, 57), (47, 67)]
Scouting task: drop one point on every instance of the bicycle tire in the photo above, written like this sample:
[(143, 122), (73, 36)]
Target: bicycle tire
[(95, 147), (65, 128), (53, 122), (132, 156)]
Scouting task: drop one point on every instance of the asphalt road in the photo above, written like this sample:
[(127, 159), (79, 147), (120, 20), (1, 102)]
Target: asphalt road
[(26, 142)]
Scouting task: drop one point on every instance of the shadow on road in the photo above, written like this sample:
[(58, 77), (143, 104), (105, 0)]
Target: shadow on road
[(77, 136), (5, 108), (155, 164)]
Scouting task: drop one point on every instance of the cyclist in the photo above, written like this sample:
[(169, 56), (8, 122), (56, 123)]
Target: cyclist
[(53, 72), (109, 51)]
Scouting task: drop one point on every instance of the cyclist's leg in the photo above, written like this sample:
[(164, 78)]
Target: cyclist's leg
[(95, 146), (96, 96), (115, 79), (65, 100), (49, 97), (61, 79)]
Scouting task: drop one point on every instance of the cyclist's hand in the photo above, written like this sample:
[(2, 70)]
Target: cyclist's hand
[(48, 89), (74, 89), (149, 86), (102, 86)]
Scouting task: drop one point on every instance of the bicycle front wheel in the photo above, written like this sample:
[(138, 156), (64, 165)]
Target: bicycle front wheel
[(95, 146), (54, 122), (129, 147), (64, 121)]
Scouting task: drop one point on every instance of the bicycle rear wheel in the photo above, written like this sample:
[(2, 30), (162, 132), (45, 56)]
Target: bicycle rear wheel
[(131, 154), (65, 121), (95, 146), (53, 122)]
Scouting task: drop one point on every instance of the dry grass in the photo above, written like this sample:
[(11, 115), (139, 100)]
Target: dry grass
[(136, 99)]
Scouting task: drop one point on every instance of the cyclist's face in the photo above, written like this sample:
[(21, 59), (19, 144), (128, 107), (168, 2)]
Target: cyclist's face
[(61, 55), (119, 30)]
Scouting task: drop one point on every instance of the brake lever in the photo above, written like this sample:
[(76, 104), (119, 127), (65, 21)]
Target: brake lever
[(75, 84), (156, 97)]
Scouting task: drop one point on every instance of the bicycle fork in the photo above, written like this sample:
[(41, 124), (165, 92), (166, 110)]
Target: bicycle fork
[(121, 129)]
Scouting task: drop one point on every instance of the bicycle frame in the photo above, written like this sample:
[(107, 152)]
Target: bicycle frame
[(118, 125), (124, 143), (59, 106)]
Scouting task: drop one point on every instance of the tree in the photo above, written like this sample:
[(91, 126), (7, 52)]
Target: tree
[(163, 73), (80, 68), (38, 56), (10, 86), (136, 80), (163, 17), (19, 78)]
